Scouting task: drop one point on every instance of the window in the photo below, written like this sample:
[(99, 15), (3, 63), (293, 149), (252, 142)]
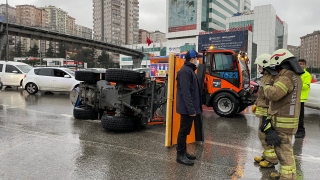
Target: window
[(1, 66), (44, 72), (59, 73), (222, 62), (10, 69)]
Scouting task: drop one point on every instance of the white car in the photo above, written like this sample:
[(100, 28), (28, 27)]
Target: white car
[(12, 73), (314, 96), (49, 79)]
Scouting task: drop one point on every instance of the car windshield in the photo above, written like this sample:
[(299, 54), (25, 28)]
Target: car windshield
[(24, 68), (70, 72)]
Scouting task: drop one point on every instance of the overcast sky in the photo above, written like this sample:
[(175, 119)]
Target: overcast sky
[(300, 15)]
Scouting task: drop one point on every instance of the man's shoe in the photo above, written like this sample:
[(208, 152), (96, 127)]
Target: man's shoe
[(258, 159), (182, 159), (274, 175), (267, 164), (190, 156), (300, 134)]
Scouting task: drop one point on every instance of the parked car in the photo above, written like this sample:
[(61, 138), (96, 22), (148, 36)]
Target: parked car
[(12, 73), (49, 79), (314, 96)]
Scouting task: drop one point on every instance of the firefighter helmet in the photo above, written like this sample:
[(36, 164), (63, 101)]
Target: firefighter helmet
[(263, 60), (279, 56)]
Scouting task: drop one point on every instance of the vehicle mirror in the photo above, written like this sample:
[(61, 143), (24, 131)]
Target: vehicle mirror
[(14, 71), (67, 76)]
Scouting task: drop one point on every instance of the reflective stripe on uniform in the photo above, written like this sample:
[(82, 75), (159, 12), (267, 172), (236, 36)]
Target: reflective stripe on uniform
[(266, 87), (282, 86), (270, 153), (284, 122), (288, 169), (286, 125), (261, 111)]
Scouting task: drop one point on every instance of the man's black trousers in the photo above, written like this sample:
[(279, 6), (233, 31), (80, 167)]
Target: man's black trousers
[(184, 131), (301, 119)]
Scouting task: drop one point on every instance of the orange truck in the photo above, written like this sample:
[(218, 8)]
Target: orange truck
[(224, 76)]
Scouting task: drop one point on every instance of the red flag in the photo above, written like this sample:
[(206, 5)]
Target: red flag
[(250, 27), (148, 41)]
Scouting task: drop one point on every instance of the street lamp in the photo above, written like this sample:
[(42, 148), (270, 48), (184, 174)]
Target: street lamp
[(7, 18)]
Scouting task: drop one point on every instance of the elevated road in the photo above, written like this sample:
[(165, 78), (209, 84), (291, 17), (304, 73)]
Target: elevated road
[(43, 34)]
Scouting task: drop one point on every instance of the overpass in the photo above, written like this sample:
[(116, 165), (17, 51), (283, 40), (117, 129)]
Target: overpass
[(43, 34)]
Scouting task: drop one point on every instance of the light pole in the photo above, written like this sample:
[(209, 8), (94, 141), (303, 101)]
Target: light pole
[(7, 30)]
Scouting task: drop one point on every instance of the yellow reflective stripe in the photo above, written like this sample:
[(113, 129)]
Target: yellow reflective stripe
[(268, 126), (286, 125), (287, 120), (266, 87), (261, 111), (270, 153), (281, 86), (287, 169)]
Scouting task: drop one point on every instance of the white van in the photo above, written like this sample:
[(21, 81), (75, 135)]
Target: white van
[(12, 73)]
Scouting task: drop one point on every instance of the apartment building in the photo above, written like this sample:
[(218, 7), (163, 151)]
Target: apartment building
[(82, 31), (11, 13), (71, 22), (155, 36), (295, 50), (310, 49), (30, 15), (57, 19), (116, 21)]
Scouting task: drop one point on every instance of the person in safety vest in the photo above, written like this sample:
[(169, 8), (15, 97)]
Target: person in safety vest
[(284, 110), (306, 80), (260, 108)]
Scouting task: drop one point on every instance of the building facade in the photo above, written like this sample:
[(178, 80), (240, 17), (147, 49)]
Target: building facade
[(155, 36), (57, 19), (30, 15), (11, 13), (295, 50), (269, 31), (71, 22), (310, 49), (82, 31), (116, 21)]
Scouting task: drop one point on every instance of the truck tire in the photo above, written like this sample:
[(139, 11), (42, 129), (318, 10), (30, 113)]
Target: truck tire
[(84, 114), (124, 76), (118, 123), (225, 104), (87, 76)]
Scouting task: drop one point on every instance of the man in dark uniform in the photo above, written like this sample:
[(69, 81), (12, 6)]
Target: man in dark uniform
[(189, 104)]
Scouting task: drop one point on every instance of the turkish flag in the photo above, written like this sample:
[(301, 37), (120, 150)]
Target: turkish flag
[(148, 41)]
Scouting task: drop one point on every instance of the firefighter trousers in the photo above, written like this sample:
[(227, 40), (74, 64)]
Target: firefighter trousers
[(268, 151), (285, 155)]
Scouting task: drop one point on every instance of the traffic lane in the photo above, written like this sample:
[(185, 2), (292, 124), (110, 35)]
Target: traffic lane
[(60, 146)]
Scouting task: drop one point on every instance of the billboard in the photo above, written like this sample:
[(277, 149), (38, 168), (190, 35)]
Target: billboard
[(235, 40), (182, 15), (159, 69)]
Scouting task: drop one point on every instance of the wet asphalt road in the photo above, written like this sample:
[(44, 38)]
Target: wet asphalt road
[(39, 139)]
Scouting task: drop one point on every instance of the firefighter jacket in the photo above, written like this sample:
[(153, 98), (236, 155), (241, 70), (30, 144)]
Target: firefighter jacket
[(284, 98), (262, 102), (306, 80)]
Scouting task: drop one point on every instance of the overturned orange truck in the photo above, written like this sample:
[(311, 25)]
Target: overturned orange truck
[(224, 76)]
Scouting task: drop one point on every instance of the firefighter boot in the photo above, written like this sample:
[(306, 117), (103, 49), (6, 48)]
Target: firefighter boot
[(266, 164), (182, 159), (258, 159), (190, 156), (274, 175)]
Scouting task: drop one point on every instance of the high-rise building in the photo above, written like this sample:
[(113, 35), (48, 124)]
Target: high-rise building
[(71, 25), (82, 31), (116, 21), (295, 50), (310, 49), (30, 15), (11, 13), (155, 36), (57, 19)]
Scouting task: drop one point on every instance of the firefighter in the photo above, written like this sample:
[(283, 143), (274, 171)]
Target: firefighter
[(284, 110), (260, 108)]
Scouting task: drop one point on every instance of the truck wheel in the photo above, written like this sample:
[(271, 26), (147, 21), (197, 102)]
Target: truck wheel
[(118, 123), (87, 76), (225, 104), (84, 113), (124, 76)]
